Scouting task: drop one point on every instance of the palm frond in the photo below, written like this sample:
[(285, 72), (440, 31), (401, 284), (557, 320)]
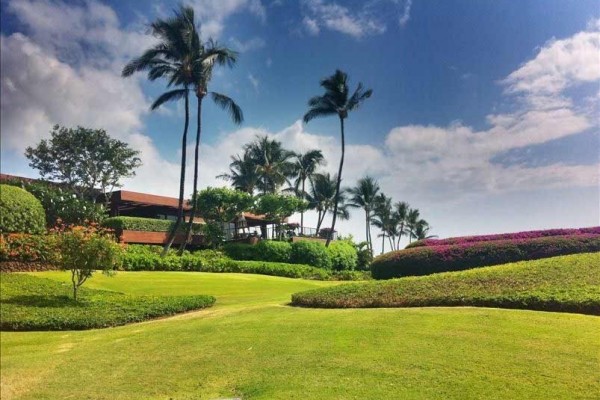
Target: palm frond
[(171, 95), (226, 103)]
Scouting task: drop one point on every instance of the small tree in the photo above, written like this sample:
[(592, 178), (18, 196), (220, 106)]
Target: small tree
[(84, 159), (277, 207), (83, 250), (219, 206)]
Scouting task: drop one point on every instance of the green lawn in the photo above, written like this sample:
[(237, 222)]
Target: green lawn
[(251, 345)]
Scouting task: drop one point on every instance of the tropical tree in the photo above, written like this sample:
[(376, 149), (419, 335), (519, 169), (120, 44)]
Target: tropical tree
[(305, 167), (336, 101), (421, 230), (364, 196), (273, 163), (321, 196), (401, 210), (243, 173), (412, 221), (383, 219), (278, 207), (173, 58)]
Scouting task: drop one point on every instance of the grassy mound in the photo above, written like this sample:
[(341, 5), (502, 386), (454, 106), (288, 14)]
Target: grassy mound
[(31, 303), (432, 259), (566, 283)]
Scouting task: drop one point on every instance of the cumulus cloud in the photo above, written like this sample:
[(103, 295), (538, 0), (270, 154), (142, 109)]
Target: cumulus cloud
[(213, 13), (405, 17), (320, 14), (249, 45)]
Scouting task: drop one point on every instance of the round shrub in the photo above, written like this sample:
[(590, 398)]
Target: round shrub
[(427, 260), (20, 211), (343, 254), (311, 253), (275, 251), (240, 251)]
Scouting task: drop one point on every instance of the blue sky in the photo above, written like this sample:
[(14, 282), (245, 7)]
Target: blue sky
[(484, 113)]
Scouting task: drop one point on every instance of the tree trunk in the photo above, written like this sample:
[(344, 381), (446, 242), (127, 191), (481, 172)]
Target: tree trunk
[(188, 232), (369, 244), (302, 213), (337, 185), (383, 244), (181, 178)]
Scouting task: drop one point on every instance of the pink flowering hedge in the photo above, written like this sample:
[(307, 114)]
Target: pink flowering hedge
[(427, 260), (505, 236)]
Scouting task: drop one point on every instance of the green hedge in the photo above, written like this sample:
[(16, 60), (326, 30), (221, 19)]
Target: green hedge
[(431, 259), (343, 255), (240, 251), (311, 253), (565, 283), (274, 251), (139, 224), (138, 259), (20, 211)]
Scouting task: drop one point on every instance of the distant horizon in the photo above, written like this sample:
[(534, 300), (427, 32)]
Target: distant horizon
[(484, 115)]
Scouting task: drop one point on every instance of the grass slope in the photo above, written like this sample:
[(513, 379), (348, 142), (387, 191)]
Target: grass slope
[(31, 303), (249, 345), (567, 283)]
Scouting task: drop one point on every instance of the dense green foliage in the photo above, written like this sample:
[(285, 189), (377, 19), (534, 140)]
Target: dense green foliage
[(275, 251), (83, 159), (432, 259), (31, 303), (343, 255), (311, 253), (63, 206), (147, 258), (566, 283), (20, 211), (240, 251), (139, 224), (28, 248)]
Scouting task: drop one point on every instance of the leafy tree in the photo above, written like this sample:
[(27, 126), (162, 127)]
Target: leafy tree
[(273, 163), (321, 196), (172, 58), (383, 218), (85, 250), (363, 195), (278, 207), (84, 159), (336, 101), (243, 174), (305, 167), (219, 206)]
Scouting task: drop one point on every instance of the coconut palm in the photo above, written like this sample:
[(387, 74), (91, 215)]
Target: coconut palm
[(412, 221), (401, 210), (321, 195), (383, 219), (206, 55), (243, 174), (336, 101), (421, 230), (364, 195), (305, 166), (172, 58), (273, 163)]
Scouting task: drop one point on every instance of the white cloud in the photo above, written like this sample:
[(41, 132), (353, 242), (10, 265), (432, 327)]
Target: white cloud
[(213, 13), (319, 14), (249, 45), (253, 81), (311, 25), (405, 17)]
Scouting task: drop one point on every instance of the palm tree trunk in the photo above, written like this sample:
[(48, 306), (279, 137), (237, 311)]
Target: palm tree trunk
[(367, 233), (188, 233), (181, 178), (337, 185), (383, 244), (302, 213)]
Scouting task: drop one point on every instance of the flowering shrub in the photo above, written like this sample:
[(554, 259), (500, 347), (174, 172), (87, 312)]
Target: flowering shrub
[(28, 248), (431, 259), (504, 236)]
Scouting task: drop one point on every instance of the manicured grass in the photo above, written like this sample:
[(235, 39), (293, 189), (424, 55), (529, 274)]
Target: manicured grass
[(566, 283), (250, 345), (32, 303)]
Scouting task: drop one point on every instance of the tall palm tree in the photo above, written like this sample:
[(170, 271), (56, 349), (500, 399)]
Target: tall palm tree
[(421, 230), (336, 101), (243, 174), (273, 163), (321, 196), (400, 215), (305, 167), (383, 218), (205, 57), (364, 195), (172, 58), (412, 221)]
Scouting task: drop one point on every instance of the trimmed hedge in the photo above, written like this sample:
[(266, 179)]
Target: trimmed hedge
[(564, 284), (32, 303), (504, 236), (274, 251), (140, 224), (311, 253), (240, 251), (343, 255), (22, 247), (20, 211), (431, 259)]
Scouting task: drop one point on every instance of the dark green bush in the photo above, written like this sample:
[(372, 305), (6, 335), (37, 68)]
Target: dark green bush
[(240, 251), (311, 253), (32, 303), (275, 251), (343, 255), (20, 211), (141, 224), (427, 260), (565, 284)]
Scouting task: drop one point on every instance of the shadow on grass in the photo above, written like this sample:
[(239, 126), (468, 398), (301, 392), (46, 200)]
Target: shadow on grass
[(34, 300)]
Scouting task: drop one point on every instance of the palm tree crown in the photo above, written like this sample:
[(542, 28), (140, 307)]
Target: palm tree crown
[(364, 195)]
